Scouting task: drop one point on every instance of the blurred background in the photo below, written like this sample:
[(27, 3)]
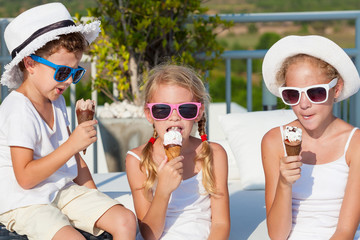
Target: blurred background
[(242, 36)]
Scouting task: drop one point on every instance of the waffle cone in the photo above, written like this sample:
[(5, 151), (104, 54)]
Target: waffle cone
[(83, 116), (293, 149), (172, 151)]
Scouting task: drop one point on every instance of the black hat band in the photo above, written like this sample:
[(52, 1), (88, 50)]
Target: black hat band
[(41, 31)]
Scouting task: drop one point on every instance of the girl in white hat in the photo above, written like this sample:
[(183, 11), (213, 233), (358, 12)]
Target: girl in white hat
[(46, 188), (314, 195)]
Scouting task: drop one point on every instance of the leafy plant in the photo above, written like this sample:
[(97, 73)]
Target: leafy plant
[(137, 35)]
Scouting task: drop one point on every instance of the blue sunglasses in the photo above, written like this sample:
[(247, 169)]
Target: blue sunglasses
[(62, 73)]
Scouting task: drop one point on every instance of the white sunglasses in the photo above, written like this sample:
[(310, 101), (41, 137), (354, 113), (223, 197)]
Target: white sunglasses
[(316, 93)]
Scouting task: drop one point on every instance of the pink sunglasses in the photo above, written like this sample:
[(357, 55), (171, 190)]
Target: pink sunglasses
[(162, 111)]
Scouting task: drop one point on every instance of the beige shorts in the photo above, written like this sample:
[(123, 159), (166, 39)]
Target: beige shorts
[(76, 205)]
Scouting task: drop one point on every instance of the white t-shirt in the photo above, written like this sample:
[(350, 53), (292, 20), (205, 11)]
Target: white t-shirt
[(21, 125)]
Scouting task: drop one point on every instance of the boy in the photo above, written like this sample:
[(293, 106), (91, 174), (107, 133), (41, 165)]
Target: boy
[(46, 187)]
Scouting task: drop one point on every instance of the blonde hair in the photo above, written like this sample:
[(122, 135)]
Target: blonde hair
[(185, 77), (328, 69)]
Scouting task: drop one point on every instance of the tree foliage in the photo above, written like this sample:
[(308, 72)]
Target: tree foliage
[(137, 35)]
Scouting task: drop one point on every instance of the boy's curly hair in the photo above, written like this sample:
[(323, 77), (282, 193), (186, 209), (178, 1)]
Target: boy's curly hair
[(73, 42)]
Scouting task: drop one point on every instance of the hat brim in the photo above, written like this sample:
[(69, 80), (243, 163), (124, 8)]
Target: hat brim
[(316, 46), (13, 76)]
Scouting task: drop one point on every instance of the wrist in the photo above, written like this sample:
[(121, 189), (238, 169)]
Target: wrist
[(162, 194), (284, 185), (70, 147)]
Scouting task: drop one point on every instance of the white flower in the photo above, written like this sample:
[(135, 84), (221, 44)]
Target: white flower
[(123, 109)]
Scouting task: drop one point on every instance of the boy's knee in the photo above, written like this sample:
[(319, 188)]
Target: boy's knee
[(129, 219), (123, 216), (124, 224), (68, 232)]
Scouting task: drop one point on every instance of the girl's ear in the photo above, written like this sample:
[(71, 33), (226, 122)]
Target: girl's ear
[(338, 88), (201, 112), (148, 115)]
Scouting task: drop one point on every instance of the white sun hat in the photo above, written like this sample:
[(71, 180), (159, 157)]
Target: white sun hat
[(35, 27), (312, 45)]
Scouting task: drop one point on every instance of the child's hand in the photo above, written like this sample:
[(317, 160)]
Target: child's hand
[(83, 135), (290, 170), (170, 174)]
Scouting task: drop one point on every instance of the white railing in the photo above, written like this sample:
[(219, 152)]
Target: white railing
[(347, 108)]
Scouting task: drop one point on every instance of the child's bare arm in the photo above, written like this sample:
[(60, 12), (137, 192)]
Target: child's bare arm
[(84, 177), (151, 210), (280, 174), (30, 172), (220, 210), (350, 209)]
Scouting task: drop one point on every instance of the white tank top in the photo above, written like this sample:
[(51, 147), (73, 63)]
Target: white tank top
[(317, 197), (189, 214)]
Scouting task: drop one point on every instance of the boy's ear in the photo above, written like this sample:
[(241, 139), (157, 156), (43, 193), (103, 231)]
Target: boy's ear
[(29, 64)]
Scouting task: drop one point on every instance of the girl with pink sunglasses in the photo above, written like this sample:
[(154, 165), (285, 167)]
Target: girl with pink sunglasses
[(314, 195), (186, 197)]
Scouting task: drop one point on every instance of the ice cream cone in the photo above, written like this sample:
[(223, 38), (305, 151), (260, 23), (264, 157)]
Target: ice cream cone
[(172, 143), (292, 148), (292, 140), (84, 115), (85, 111), (172, 151)]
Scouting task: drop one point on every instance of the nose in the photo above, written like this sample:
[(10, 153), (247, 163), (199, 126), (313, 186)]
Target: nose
[(304, 101), (174, 115), (69, 80)]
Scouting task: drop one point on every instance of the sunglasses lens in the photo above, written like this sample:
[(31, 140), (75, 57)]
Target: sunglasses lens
[(317, 94), (290, 96), (188, 110), (160, 111), (78, 75), (62, 74)]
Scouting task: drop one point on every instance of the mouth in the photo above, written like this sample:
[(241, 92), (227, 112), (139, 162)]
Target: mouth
[(179, 129), (60, 90), (306, 117)]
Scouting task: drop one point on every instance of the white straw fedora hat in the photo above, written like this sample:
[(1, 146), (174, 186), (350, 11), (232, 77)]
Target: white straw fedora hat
[(316, 46), (35, 27)]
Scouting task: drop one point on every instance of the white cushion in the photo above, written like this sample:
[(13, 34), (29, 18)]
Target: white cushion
[(216, 134), (244, 132)]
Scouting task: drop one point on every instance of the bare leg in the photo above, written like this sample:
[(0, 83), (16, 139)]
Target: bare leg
[(119, 222), (68, 232)]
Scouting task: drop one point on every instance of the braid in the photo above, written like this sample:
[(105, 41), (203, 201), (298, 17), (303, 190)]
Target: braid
[(206, 157), (201, 125), (148, 166)]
